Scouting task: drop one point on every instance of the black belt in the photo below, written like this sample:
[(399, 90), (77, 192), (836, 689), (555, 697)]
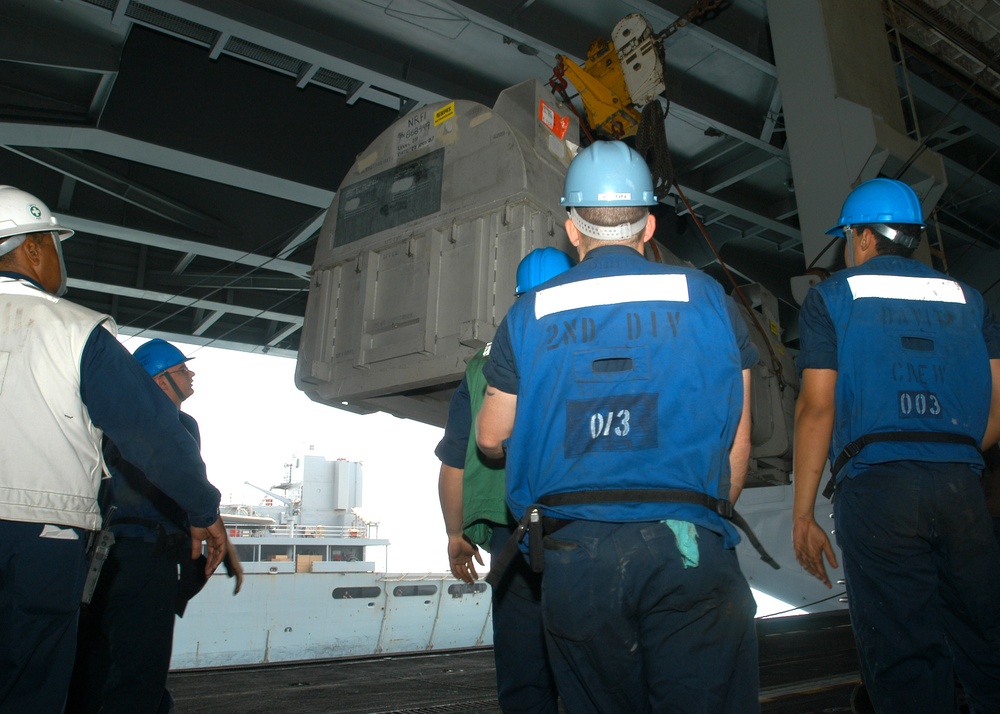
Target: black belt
[(165, 542), (532, 521), (855, 447)]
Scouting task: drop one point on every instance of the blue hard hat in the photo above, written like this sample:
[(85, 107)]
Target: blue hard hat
[(539, 266), (158, 356), (879, 200), (608, 173)]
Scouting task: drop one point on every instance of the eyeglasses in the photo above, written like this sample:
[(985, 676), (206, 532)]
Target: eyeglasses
[(180, 370)]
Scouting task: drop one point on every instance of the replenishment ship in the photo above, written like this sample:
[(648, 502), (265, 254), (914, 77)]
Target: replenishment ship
[(310, 589)]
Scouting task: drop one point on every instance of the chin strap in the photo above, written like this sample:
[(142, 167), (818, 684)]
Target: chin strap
[(173, 385), (62, 267)]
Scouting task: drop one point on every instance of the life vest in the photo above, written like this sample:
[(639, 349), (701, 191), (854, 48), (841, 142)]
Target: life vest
[(50, 450), (913, 379), (629, 378)]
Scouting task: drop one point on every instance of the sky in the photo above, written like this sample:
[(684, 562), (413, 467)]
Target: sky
[(253, 419)]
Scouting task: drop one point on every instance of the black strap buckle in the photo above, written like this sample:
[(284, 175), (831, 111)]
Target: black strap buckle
[(853, 448), (725, 509)]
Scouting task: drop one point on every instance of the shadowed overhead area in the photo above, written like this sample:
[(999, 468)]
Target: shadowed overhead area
[(195, 145)]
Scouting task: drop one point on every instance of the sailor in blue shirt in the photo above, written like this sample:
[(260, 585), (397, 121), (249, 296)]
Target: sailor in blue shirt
[(621, 389), (63, 379), (900, 369), (126, 633)]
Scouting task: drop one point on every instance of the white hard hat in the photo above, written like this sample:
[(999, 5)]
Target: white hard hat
[(20, 214)]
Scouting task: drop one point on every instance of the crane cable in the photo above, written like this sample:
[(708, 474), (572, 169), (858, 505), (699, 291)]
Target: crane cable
[(775, 362), (652, 144)]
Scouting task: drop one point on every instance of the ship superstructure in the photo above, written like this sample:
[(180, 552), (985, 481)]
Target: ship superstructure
[(310, 590)]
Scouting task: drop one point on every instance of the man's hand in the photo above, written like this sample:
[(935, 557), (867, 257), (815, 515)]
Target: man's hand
[(814, 417), (217, 544), (461, 551), (234, 568), (811, 545)]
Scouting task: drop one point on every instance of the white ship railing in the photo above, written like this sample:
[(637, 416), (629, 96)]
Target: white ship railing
[(296, 531)]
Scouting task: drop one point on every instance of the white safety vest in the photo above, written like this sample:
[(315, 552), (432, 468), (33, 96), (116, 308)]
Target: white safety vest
[(50, 450)]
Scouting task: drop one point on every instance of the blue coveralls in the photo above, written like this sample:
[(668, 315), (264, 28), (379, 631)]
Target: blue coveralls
[(911, 348), (525, 684), (126, 633), (628, 374)]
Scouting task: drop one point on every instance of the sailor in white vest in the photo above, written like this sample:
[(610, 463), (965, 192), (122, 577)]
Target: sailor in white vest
[(65, 379)]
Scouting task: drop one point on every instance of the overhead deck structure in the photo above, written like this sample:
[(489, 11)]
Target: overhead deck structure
[(196, 145)]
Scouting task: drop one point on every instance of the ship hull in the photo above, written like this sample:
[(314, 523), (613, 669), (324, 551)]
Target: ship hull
[(291, 616)]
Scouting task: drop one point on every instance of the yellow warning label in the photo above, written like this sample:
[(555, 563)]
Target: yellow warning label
[(444, 113)]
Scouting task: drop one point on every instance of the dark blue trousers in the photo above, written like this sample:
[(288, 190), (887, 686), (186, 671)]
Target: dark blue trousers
[(41, 580), (126, 633), (923, 586), (630, 629), (524, 679)]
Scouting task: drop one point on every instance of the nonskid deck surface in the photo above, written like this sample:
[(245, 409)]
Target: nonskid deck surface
[(807, 664)]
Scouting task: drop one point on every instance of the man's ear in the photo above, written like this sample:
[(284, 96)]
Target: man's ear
[(572, 233), (31, 250), (869, 241), (650, 228)]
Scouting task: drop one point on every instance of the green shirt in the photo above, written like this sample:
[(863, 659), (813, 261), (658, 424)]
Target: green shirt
[(484, 502)]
